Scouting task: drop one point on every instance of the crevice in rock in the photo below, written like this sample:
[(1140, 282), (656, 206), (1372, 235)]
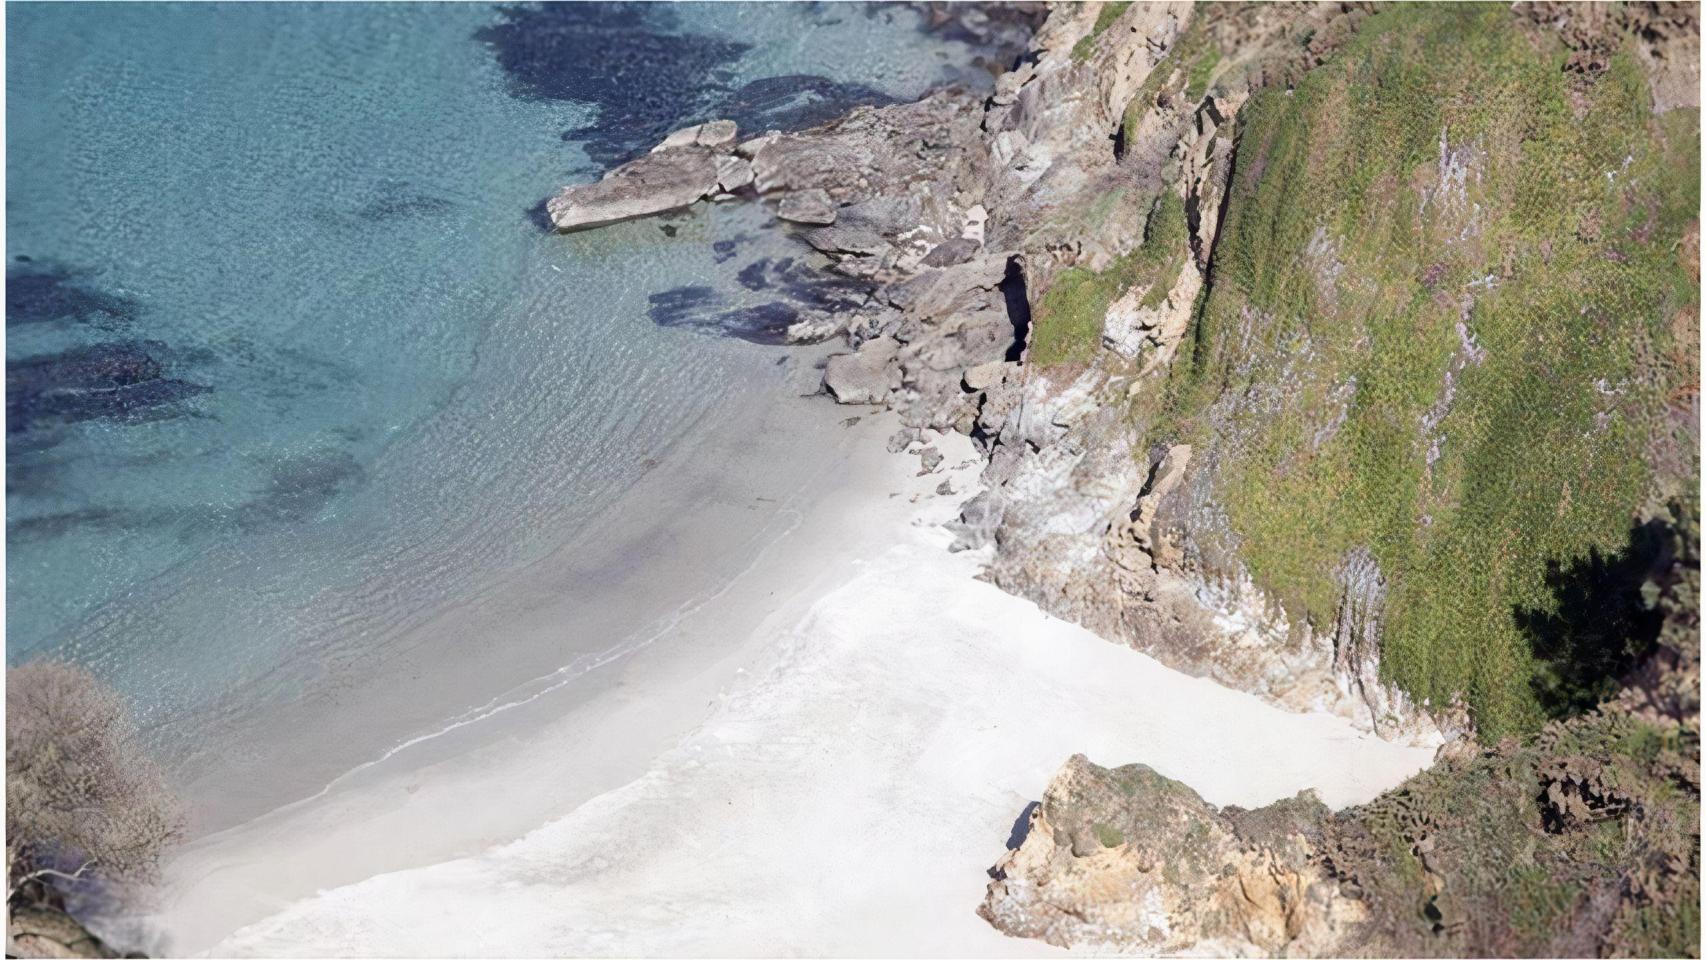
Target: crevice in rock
[(1018, 308)]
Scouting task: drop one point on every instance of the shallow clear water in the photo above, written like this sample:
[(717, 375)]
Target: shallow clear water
[(291, 362)]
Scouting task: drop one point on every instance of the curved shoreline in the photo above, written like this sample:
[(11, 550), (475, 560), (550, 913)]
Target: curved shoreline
[(857, 753)]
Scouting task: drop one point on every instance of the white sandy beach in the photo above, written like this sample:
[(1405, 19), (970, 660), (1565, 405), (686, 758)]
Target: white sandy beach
[(824, 759)]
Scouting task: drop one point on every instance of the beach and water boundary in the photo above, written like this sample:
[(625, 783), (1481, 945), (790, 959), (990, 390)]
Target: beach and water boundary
[(820, 756)]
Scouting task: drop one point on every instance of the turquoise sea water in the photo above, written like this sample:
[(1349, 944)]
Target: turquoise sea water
[(291, 361)]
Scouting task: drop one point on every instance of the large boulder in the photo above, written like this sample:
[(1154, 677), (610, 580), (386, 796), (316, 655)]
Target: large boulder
[(807, 206), (655, 183), (864, 377)]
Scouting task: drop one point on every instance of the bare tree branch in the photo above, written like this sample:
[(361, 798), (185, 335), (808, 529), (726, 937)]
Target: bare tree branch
[(79, 787)]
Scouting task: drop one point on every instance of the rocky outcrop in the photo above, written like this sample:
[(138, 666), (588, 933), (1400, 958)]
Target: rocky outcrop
[(1129, 860), (807, 206), (715, 135), (866, 376)]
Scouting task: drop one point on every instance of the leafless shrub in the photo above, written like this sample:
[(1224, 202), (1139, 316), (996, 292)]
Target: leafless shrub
[(83, 800)]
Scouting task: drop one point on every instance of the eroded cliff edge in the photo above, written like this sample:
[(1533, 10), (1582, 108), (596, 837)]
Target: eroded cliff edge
[(1344, 354)]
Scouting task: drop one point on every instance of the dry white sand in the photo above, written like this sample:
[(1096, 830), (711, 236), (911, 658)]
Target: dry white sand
[(835, 778)]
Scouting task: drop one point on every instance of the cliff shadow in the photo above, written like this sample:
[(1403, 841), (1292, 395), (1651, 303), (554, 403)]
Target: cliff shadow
[(1018, 302), (1021, 826), (1598, 626)]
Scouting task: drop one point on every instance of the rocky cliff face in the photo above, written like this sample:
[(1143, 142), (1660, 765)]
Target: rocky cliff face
[(1337, 352), (1304, 339), (1034, 259), (1387, 441), (1268, 424)]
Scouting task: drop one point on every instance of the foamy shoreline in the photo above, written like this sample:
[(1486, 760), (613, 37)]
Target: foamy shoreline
[(832, 775)]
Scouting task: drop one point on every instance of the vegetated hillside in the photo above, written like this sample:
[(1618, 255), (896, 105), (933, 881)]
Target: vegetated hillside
[(1446, 354)]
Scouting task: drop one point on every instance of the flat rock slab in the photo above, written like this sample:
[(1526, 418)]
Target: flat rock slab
[(655, 183)]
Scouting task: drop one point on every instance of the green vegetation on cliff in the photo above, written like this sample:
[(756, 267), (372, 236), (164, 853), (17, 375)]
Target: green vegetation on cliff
[(1110, 12), (1580, 841), (1451, 311), (1068, 320)]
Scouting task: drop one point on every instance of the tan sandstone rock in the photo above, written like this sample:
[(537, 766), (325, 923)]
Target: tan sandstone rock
[(1127, 859)]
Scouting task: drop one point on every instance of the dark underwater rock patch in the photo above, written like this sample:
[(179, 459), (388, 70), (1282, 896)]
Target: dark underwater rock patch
[(540, 217), (702, 308), (403, 206), (801, 293), (677, 306), (763, 323), (752, 276), (795, 101), (120, 380), (390, 204), (806, 285), (644, 79), (298, 487), (50, 525), (38, 292)]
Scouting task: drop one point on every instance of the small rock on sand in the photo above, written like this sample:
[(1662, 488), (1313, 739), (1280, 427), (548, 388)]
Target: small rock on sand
[(929, 459), (903, 438)]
